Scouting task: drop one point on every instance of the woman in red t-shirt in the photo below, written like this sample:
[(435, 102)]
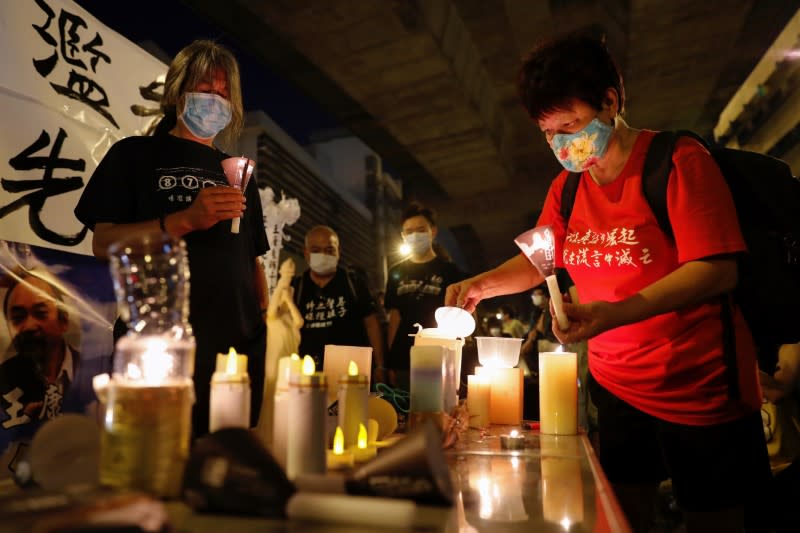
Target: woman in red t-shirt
[(653, 304)]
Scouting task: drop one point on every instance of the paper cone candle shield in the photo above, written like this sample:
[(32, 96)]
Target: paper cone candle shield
[(237, 171), (539, 246)]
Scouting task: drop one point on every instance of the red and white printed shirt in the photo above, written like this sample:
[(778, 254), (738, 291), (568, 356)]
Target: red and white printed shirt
[(671, 365)]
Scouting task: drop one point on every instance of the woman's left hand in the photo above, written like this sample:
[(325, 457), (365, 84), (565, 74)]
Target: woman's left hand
[(585, 321)]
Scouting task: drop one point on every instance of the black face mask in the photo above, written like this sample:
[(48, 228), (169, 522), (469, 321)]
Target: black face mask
[(32, 345)]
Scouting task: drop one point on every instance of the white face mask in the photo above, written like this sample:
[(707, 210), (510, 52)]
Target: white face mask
[(420, 243), (538, 299), (322, 263)]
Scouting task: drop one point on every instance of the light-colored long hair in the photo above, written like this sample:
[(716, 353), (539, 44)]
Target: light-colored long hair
[(195, 62)]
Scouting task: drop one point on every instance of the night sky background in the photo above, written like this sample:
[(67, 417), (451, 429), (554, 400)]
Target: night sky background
[(171, 25)]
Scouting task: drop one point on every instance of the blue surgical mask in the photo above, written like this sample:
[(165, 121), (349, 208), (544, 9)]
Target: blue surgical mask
[(580, 150), (205, 114), (419, 242)]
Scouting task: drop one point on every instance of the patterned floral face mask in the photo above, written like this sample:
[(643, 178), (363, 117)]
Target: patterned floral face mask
[(580, 150)]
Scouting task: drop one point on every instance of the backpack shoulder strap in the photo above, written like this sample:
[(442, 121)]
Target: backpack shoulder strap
[(568, 195), (655, 177)]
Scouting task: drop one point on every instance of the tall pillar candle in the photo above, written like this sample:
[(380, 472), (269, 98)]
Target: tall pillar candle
[(452, 356), (287, 368), (478, 395), (336, 361), (306, 443), (427, 379), (558, 393), (506, 394), (353, 396), (229, 402)]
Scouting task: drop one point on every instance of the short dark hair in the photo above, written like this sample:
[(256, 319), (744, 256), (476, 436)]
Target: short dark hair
[(415, 209), (508, 310), (573, 66)]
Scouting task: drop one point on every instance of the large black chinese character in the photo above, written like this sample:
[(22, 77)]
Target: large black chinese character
[(79, 86), (44, 188)]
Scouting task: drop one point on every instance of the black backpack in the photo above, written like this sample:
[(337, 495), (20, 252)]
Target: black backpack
[(767, 200)]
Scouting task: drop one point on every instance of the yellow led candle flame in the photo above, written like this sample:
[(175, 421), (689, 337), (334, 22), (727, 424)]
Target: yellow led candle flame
[(352, 369), (294, 357), (338, 441), (308, 366), (231, 366), (362, 437)]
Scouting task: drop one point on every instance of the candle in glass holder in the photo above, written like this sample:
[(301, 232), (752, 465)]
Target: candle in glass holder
[(363, 452), (229, 403), (339, 458), (558, 393), (478, 394), (287, 368), (305, 442)]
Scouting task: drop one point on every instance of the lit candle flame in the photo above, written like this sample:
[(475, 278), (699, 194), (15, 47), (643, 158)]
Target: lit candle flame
[(338, 441), (308, 366), (560, 349), (294, 357), (362, 437), (231, 368), (352, 369), (155, 364), (514, 433)]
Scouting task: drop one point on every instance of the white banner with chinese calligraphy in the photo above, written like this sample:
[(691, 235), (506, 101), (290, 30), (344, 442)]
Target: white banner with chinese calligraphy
[(69, 88)]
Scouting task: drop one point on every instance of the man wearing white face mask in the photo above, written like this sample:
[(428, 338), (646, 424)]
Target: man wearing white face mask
[(415, 288), (173, 182), (336, 304)]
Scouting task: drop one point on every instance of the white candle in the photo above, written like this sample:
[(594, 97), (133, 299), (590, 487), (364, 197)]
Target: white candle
[(478, 394), (287, 368), (452, 364), (230, 393), (305, 443), (336, 361), (506, 394), (558, 393), (427, 379), (558, 303), (353, 396)]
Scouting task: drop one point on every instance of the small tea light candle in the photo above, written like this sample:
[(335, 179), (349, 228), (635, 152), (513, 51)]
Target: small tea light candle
[(363, 452), (339, 458), (512, 441), (229, 403)]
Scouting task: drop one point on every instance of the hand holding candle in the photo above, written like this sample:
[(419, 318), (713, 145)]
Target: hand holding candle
[(539, 247), (238, 171)]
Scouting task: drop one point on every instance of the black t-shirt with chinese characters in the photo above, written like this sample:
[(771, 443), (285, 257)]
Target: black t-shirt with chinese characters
[(416, 290), (333, 314), (142, 178)]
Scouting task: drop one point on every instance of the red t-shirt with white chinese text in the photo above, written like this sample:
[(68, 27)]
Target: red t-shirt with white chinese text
[(671, 365)]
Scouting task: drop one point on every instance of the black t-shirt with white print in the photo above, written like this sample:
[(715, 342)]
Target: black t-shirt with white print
[(142, 178), (416, 290), (333, 314)]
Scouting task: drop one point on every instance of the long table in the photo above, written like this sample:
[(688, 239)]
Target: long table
[(553, 484)]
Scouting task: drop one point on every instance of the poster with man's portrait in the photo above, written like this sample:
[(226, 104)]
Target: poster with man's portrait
[(70, 88)]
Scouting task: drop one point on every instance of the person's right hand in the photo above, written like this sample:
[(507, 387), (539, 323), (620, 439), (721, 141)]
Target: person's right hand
[(214, 204), (465, 294)]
